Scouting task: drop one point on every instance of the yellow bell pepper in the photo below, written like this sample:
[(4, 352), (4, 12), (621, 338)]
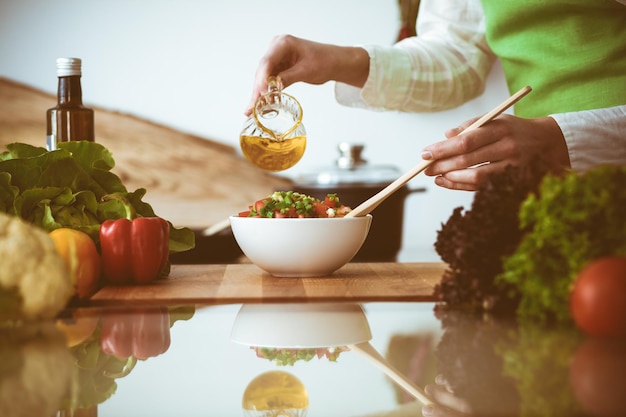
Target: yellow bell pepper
[(81, 256)]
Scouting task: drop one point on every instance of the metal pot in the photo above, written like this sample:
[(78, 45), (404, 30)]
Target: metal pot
[(354, 181)]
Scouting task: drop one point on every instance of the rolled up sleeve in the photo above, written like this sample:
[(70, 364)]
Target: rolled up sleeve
[(594, 137), (444, 66)]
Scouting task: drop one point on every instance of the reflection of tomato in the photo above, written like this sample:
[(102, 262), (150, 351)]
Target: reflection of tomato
[(598, 377), (598, 300)]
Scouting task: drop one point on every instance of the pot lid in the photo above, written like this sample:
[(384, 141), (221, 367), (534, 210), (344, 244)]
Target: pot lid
[(350, 168)]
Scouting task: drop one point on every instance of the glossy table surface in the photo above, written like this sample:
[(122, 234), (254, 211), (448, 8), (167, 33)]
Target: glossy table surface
[(200, 359)]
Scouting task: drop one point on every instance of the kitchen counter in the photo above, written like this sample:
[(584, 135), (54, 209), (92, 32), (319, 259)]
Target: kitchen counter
[(187, 345)]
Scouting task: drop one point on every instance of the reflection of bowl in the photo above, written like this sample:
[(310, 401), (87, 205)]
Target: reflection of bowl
[(304, 247), (300, 326)]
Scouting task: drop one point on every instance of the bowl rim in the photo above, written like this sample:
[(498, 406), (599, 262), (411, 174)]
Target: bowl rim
[(305, 219), (255, 325)]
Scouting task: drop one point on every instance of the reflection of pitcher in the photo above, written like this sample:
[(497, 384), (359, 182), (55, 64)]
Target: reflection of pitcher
[(273, 137), (275, 394)]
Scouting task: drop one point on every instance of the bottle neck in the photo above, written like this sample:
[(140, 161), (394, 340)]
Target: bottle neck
[(70, 91)]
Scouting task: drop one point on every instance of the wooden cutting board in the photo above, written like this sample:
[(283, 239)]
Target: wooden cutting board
[(246, 283)]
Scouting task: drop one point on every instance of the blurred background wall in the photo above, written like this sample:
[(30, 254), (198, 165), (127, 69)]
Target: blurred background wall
[(189, 65)]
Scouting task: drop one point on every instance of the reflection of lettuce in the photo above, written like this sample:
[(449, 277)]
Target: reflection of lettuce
[(178, 313), (502, 368), (97, 372), (35, 370), (289, 356), (68, 188), (467, 359), (538, 360)]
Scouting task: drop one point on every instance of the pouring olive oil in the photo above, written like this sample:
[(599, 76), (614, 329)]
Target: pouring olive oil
[(273, 137), (272, 155)]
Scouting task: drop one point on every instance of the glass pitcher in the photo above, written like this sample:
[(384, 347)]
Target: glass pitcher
[(273, 137)]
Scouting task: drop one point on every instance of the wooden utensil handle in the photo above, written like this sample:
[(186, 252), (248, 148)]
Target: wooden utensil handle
[(370, 204), (501, 108), (373, 202)]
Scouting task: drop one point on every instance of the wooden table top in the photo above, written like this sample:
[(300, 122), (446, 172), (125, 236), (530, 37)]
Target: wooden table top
[(246, 283)]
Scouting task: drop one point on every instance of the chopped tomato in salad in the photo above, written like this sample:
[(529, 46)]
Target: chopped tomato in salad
[(290, 204)]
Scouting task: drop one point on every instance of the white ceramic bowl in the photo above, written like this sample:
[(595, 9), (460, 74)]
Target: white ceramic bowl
[(308, 247), (300, 326)]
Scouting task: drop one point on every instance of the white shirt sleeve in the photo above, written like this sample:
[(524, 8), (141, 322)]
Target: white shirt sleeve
[(444, 66), (594, 137)]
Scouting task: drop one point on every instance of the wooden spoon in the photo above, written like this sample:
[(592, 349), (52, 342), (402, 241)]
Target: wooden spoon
[(370, 204)]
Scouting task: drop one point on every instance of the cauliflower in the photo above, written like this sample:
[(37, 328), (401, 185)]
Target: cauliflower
[(34, 280)]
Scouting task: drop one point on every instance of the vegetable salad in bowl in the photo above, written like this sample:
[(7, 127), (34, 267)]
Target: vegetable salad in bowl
[(291, 204), (313, 237)]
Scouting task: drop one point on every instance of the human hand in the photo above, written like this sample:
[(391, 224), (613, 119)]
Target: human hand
[(294, 60), (465, 160), (446, 404)]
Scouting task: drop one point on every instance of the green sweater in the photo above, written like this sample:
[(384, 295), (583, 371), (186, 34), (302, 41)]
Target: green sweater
[(571, 52)]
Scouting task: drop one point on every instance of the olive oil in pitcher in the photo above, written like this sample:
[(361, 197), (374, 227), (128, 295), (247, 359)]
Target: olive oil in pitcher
[(273, 137), (273, 155)]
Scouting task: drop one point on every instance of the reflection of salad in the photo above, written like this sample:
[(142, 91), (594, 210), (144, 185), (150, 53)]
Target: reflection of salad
[(289, 356), (290, 204)]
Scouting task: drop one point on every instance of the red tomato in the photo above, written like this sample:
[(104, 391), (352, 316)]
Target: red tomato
[(598, 300), (321, 210), (244, 213), (291, 213), (330, 201)]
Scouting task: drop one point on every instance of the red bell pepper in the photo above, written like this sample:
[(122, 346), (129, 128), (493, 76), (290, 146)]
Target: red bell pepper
[(139, 333), (134, 251)]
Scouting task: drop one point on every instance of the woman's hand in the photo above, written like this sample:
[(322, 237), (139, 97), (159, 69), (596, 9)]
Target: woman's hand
[(294, 60), (465, 160)]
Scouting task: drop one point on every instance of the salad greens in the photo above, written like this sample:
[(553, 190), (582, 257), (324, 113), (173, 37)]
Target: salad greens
[(572, 220), (473, 242), (528, 234), (74, 187)]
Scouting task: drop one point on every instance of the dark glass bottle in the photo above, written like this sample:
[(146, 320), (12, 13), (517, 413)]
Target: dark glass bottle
[(69, 120)]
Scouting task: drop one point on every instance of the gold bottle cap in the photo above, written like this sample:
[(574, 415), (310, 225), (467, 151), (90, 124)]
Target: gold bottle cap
[(68, 66)]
